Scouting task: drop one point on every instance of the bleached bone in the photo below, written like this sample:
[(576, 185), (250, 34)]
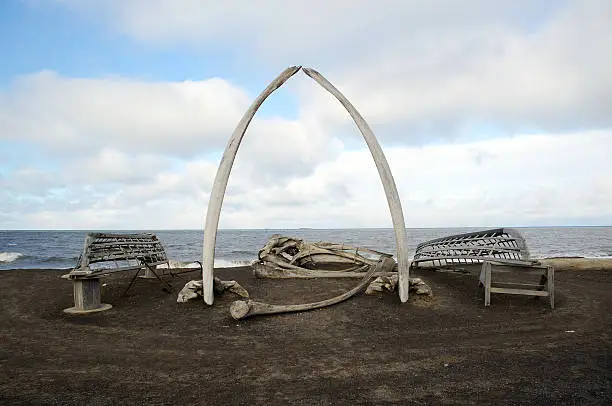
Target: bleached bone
[(293, 253), (193, 289), (225, 166), (389, 282), (271, 272), (386, 177), (220, 183), (241, 309)]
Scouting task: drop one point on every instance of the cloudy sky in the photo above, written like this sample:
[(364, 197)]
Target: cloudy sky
[(114, 113)]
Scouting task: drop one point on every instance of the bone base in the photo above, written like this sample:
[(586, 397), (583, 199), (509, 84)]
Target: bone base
[(193, 289), (389, 284)]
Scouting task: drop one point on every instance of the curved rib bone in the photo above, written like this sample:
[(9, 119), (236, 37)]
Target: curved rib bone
[(220, 183), (386, 177), (262, 270), (242, 309)]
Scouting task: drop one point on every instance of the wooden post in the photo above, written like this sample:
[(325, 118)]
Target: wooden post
[(393, 200), (148, 274), (220, 184), (550, 275), (87, 297), (487, 282)]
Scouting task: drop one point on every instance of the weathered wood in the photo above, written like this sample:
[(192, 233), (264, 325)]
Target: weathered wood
[(544, 288), (241, 309), (87, 297), (519, 285), (393, 200), (550, 282), (487, 282), (139, 251), (220, 184), (500, 244), (526, 292)]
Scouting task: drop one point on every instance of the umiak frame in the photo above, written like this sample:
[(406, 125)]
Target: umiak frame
[(225, 166)]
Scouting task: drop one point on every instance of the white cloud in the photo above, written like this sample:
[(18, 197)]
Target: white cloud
[(416, 70), (490, 113), (70, 115), (489, 78), (525, 180)]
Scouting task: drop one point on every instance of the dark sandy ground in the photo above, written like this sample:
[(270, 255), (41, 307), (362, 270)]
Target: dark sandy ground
[(148, 349)]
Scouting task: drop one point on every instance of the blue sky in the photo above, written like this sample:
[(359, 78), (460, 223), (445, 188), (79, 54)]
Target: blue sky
[(113, 114), (46, 35)]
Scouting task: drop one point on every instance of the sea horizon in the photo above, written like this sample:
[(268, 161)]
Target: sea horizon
[(60, 249), (304, 228)]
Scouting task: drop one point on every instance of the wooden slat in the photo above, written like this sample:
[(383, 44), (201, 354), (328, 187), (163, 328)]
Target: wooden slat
[(517, 262), (526, 292), (501, 244), (510, 284), (113, 248)]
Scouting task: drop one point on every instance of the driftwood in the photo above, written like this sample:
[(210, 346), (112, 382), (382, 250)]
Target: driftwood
[(242, 309), (105, 253), (221, 179)]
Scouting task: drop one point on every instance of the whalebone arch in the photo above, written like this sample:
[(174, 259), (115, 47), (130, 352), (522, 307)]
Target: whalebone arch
[(227, 160)]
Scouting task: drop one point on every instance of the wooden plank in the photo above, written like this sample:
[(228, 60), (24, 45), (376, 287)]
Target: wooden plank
[(427, 250), (487, 282), (96, 273), (510, 284), (516, 262), (520, 292), (550, 275)]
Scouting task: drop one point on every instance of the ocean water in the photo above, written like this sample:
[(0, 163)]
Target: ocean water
[(60, 249)]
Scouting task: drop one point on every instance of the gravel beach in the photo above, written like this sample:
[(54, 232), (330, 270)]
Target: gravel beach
[(372, 349)]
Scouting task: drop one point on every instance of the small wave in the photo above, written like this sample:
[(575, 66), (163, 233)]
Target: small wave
[(180, 264), (244, 252), (225, 263), (219, 263), (59, 259), (10, 256)]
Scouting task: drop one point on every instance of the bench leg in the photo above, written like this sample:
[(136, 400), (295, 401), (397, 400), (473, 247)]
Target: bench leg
[(550, 274), (486, 267), (86, 297), (147, 274)]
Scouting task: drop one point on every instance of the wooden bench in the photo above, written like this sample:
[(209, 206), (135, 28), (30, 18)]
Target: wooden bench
[(493, 251), (104, 254), (544, 288)]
